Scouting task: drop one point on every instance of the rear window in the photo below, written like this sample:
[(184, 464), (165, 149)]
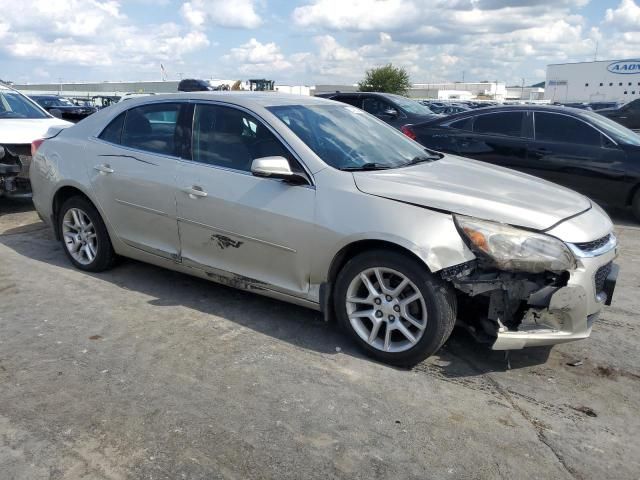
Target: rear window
[(113, 131), (506, 123), (152, 128)]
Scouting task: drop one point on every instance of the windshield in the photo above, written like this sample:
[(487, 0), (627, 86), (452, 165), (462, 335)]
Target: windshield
[(14, 105), (64, 102), (618, 132), (409, 105), (346, 137)]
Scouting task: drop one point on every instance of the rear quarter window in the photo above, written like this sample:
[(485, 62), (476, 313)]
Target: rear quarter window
[(113, 131), (465, 124)]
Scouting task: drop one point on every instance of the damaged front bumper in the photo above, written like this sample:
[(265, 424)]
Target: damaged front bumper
[(525, 310), (14, 170)]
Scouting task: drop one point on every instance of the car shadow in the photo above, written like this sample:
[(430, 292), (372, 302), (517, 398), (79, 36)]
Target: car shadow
[(461, 356), (15, 205)]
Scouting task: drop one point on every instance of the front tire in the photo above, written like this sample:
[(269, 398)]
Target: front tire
[(394, 309), (84, 237)]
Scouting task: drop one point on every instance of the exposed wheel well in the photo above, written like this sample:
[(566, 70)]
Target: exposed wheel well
[(59, 198), (346, 254)]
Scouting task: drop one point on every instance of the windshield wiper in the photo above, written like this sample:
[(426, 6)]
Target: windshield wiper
[(366, 166), (422, 159)]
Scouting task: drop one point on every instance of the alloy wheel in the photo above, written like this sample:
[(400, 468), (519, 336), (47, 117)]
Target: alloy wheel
[(79, 236), (386, 309)]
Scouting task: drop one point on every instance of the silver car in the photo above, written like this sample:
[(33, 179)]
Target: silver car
[(318, 203)]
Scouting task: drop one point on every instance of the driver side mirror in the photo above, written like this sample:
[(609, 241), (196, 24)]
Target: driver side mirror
[(389, 112), (56, 112), (276, 167)]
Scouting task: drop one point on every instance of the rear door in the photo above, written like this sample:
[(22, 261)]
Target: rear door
[(445, 136), (244, 230), (499, 138), (568, 151), (133, 174)]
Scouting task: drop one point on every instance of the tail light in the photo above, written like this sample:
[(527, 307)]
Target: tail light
[(406, 129), (35, 145)]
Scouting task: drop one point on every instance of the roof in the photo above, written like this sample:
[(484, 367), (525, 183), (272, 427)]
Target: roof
[(505, 108), (247, 99), (595, 61)]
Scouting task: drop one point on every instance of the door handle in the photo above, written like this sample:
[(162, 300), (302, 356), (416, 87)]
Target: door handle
[(195, 191), (104, 168)]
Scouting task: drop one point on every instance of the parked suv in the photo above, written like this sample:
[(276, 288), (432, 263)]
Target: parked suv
[(395, 110), (194, 85), (319, 204)]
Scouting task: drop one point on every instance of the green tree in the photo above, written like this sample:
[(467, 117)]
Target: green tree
[(388, 79)]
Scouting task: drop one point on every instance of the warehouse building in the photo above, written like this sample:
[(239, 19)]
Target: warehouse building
[(442, 91), (609, 80)]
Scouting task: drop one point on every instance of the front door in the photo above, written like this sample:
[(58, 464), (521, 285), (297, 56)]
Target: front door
[(133, 171), (572, 153), (246, 231)]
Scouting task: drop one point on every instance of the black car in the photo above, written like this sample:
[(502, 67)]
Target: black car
[(396, 110), (194, 85), (601, 105), (579, 149), (627, 115), (63, 107)]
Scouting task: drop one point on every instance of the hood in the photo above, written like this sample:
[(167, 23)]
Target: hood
[(26, 130), (476, 189)]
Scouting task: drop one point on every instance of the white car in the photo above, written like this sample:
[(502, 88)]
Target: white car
[(21, 122)]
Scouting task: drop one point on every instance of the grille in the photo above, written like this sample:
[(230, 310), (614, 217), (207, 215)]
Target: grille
[(593, 245), (601, 276)]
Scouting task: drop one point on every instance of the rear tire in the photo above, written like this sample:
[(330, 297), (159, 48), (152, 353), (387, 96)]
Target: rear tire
[(84, 237), (393, 308)]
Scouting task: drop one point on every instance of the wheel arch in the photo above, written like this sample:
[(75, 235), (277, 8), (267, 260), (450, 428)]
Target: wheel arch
[(632, 194), (62, 194), (346, 253)]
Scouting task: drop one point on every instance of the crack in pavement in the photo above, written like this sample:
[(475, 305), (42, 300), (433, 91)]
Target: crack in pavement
[(537, 426)]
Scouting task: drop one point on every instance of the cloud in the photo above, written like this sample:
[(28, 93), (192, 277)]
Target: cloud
[(355, 14), (625, 18), (255, 58), (90, 33), (439, 39), (224, 13)]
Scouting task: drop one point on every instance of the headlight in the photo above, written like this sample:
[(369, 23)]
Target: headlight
[(510, 248)]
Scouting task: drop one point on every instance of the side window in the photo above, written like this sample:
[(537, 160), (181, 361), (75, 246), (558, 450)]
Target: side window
[(463, 124), (355, 101), (375, 106), (113, 131), (508, 124), (231, 138), (551, 127), (152, 128)]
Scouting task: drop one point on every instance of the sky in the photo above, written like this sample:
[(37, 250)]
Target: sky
[(309, 41)]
